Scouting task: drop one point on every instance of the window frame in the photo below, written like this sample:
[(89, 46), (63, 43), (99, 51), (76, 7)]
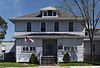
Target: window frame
[(28, 49), (74, 48), (49, 12), (70, 26), (56, 26), (68, 48), (54, 13), (29, 26), (60, 48), (3, 49), (45, 14), (43, 26)]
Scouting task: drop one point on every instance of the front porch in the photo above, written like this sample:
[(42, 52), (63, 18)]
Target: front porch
[(49, 52)]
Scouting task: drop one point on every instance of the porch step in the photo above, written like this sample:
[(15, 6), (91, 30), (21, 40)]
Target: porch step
[(47, 60)]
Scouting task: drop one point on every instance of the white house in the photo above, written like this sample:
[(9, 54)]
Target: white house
[(49, 34), (7, 51)]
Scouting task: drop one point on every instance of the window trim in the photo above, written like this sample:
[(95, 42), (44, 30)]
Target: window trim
[(49, 13), (33, 49), (29, 28), (45, 14), (71, 26), (54, 13), (44, 29), (56, 26), (60, 48), (67, 49), (3, 48)]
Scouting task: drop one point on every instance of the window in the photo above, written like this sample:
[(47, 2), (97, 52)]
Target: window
[(45, 13), (70, 26), (43, 26), (28, 26), (93, 47), (28, 49), (67, 48), (50, 13), (60, 47), (32, 49), (73, 48), (54, 13), (3, 49), (56, 26), (1, 56), (23, 48)]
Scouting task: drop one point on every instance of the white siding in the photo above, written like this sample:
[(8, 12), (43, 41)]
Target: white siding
[(20, 26), (36, 26), (77, 55), (9, 47), (24, 57), (63, 26)]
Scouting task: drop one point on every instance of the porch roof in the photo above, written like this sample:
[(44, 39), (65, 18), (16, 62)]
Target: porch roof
[(49, 35)]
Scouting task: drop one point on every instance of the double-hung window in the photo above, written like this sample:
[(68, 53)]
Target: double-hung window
[(28, 26), (56, 26), (70, 26), (43, 26)]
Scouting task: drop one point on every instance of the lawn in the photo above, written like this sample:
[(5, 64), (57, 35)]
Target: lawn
[(75, 64), (13, 64)]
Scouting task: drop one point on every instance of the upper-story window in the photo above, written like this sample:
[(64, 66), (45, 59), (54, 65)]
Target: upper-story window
[(56, 26), (50, 13), (54, 13), (28, 26), (43, 26), (70, 26), (45, 13)]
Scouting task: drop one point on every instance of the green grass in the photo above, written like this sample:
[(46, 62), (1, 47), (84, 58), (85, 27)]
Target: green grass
[(75, 64), (13, 64)]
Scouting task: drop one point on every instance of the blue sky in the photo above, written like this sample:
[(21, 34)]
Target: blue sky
[(14, 8)]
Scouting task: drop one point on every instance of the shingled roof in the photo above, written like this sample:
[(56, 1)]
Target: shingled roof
[(39, 15)]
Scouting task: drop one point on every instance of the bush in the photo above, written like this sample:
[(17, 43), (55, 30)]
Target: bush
[(66, 58), (33, 59)]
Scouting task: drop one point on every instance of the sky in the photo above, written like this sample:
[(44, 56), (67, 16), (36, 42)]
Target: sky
[(14, 8)]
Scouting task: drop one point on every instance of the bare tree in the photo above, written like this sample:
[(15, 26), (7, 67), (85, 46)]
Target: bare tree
[(89, 10)]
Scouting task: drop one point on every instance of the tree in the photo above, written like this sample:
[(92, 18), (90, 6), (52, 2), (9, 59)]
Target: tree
[(66, 58), (89, 10), (3, 28)]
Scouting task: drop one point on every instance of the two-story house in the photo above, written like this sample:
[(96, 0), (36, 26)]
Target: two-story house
[(52, 33)]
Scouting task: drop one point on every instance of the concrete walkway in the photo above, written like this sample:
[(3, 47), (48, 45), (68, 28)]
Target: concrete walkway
[(59, 67)]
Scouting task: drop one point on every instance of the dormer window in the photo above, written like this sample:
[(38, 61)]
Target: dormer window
[(49, 13), (45, 13), (54, 13)]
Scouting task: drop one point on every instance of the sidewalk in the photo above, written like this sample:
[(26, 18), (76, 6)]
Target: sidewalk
[(59, 67)]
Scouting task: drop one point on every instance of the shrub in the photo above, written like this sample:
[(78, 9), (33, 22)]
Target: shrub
[(33, 59), (66, 58)]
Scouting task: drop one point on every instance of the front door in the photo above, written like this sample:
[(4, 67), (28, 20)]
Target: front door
[(49, 47), (49, 51)]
